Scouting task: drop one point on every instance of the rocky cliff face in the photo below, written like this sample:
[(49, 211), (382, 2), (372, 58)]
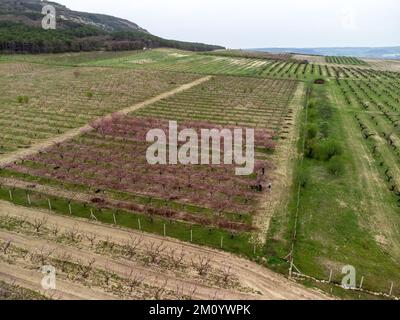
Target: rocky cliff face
[(29, 13)]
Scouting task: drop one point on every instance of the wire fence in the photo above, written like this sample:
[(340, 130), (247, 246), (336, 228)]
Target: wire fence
[(239, 243), (298, 275)]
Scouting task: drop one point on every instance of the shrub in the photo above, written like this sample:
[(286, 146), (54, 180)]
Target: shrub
[(332, 148), (89, 94), (312, 131), (324, 128), (312, 115), (303, 177), (325, 111), (323, 150), (336, 166), (23, 99)]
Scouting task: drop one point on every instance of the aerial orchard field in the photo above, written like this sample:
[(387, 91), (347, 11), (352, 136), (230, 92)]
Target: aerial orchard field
[(183, 61), (254, 64), (377, 112), (334, 200), (246, 102), (260, 65), (110, 164), (251, 54), (39, 102)]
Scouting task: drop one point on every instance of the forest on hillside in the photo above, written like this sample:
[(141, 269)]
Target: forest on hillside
[(20, 38)]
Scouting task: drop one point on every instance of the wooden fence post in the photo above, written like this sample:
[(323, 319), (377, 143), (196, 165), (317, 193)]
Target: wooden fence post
[(92, 216)]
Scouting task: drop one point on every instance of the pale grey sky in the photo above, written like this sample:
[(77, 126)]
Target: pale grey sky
[(260, 23)]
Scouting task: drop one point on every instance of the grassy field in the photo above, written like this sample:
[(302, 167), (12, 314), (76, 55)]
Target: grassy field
[(346, 213), (345, 191)]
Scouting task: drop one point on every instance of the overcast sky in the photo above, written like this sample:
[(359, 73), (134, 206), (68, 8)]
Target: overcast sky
[(260, 23)]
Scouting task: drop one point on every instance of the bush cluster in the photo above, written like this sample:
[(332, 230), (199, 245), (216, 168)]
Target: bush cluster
[(320, 143)]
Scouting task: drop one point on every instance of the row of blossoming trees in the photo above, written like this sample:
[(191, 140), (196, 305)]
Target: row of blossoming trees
[(112, 157)]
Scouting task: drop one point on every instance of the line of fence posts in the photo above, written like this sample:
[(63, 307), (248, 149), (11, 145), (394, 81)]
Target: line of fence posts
[(93, 217), (360, 287)]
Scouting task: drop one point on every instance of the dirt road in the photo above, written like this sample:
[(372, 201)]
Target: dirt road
[(260, 282), (281, 177)]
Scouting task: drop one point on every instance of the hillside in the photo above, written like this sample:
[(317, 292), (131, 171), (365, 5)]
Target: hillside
[(21, 32)]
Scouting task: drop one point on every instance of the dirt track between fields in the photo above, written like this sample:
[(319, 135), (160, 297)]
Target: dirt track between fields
[(18, 155), (268, 284), (281, 176)]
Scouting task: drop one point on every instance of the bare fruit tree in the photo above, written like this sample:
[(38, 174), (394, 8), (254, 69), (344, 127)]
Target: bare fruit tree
[(159, 290), (131, 246), (73, 234), (107, 275), (226, 273), (86, 269), (22, 221), (63, 261), (6, 246), (191, 292), (42, 256), (133, 281), (91, 237), (154, 250), (38, 224), (202, 265), (55, 230), (176, 257), (183, 293), (109, 244)]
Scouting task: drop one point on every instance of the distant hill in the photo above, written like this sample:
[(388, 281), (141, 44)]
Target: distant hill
[(21, 31), (360, 52)]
